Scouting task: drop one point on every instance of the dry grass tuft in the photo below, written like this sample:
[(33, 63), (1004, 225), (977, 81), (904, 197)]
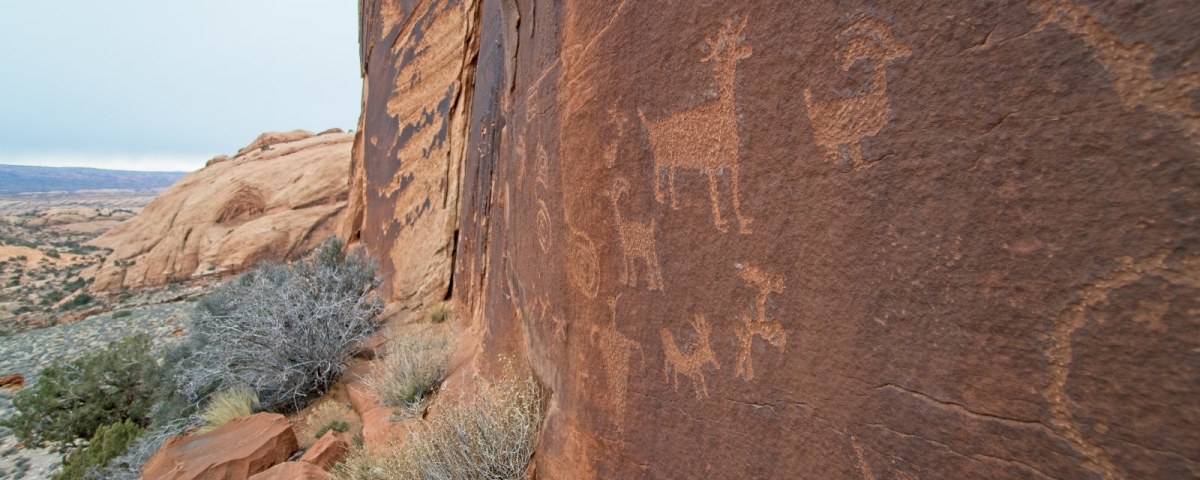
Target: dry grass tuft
[(413, 367), (491, 437), (228, 405), (323, 417), (438, 313)]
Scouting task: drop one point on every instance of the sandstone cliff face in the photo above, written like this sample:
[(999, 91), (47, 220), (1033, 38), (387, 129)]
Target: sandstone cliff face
[(263, 204), (778, 239)]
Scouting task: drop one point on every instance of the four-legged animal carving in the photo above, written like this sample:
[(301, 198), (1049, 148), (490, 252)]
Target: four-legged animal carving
[(690, 364), (839, 124), (637, 241), (705, 138), (769, 331)]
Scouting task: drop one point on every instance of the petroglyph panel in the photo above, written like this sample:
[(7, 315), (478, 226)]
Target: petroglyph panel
[(841, 123), (705, 138)]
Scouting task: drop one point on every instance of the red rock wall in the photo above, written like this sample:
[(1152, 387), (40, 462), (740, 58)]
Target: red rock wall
[(417, 57), (779, 239)]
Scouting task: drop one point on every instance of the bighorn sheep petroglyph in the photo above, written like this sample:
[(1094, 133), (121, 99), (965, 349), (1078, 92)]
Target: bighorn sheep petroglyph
[(637, 241), (839, 124)]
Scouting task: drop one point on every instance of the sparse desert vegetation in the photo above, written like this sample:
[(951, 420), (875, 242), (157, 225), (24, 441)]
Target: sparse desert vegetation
[(491, 435), (412, 368), (280, 333)]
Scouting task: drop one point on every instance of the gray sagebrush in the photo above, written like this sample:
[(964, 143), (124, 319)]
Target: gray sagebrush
[(284, 331)]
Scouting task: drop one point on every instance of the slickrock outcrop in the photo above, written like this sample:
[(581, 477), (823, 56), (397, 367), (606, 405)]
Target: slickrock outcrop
[(780, 239), (238, 449), (224, 218)]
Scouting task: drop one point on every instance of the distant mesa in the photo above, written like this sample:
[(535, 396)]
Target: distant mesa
[(16, 179)]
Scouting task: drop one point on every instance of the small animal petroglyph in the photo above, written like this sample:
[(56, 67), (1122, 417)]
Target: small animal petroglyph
[(615, 350), (705, 138), (758, 325), (691, 363), (839, 124), (637, 242)]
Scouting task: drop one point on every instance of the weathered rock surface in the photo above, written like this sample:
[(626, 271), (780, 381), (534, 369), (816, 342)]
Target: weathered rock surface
[(238, 449), (12, 381), (328, 451), (779, 239), (292, 471), (224, 218)]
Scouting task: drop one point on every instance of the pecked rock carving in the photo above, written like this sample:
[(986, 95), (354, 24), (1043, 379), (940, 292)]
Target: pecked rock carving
[(758, 325), (691, 363), (705, 138), (1059, 350), (839, 124), (615, 351), (637, 242), (1130, 65)]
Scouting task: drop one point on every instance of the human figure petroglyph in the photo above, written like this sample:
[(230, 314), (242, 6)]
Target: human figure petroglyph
[(637, 242), (691, 363), (705, 138), (839, 124), (758, 325), (615, 351)]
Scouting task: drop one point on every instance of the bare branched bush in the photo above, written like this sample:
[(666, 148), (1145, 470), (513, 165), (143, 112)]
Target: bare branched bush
[(491, 437), (413, 367), (284, 331)]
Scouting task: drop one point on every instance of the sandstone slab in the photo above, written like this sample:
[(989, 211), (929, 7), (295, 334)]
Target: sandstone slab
[(292, 471), (330, 449), (236, 450)]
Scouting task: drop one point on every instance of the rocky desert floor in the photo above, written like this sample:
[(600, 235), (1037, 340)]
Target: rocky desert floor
[(46, 312), (45, 266)]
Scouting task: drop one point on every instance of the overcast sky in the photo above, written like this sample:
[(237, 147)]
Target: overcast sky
[(168, 84)]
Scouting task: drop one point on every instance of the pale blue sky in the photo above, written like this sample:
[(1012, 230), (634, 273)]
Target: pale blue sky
[(168, 84)]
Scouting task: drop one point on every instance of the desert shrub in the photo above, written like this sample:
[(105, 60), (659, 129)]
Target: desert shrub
[(283, 330), (128, 465), (336, 425), (438, 313), (324, 417), (122, 314), (70, 400), (412, 368), (109, 442), (227, 405), (491, 437)]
